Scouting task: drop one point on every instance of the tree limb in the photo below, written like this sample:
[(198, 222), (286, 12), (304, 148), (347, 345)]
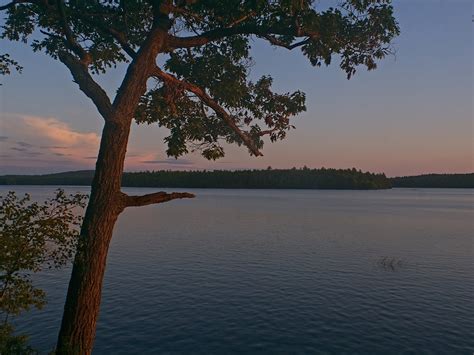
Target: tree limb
[(174, 42), (170, 8), (154, 198), (134, 83), (121, 38), (85, 56), (219, 110), (87, 84), (241, 19), (268, 131), (276, 42)]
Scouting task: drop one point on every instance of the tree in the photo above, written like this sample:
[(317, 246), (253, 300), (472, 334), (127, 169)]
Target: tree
[(188, 66), (33, 236)]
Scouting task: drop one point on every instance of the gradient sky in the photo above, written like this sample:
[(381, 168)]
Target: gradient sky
[(412, 115)]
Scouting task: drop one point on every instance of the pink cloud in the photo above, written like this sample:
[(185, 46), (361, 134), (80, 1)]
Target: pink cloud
[(48, 144)]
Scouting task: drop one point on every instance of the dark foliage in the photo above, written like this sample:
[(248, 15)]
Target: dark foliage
[(435, 180), (79, 178), (272, 178), (33, 236), (304, 178), (261, 179)]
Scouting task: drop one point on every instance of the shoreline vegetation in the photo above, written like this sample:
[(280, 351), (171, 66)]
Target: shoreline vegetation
[(302, 178)]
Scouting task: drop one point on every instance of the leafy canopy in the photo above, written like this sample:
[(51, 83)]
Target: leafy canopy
[(201, 91)]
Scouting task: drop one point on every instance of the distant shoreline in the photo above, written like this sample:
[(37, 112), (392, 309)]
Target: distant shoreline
[(304, 178)]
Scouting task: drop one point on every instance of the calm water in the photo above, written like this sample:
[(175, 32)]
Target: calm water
[(267, 271)]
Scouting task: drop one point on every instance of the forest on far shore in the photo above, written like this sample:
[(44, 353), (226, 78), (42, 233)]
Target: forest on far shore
[(462, 181), (269, 178), (303, 178)]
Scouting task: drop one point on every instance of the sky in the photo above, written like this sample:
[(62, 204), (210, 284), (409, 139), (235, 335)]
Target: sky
[(412, 115)]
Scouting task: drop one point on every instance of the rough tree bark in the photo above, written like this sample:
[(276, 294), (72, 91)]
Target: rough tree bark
[(106, 202), (84, 293)]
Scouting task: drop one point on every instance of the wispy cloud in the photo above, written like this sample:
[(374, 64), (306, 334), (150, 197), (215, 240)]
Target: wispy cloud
[(19, 149), (61, 136), (31, 136), (52, 147), (44, 144), (24, 144)]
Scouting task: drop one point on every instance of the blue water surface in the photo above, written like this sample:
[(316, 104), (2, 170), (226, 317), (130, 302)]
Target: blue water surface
[(282, 272)]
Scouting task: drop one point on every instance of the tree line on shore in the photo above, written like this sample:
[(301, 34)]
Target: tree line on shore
[(302, 178), (435, 181)]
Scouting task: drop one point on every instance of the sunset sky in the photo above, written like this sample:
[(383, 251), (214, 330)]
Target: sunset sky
[(412, 115)]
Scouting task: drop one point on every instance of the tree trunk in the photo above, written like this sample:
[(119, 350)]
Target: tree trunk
[(84, 293), (81, 310)]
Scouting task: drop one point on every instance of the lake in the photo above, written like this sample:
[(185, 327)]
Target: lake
[(282, 271)]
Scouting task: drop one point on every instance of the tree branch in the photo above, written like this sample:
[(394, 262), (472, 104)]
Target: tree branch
[(276, 42), (154, 198), (134, 83), (87, 85), (121, 38), (268, 131), (170, 8), (219, 110), (174, 42), (241, 19), (85, 56)]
